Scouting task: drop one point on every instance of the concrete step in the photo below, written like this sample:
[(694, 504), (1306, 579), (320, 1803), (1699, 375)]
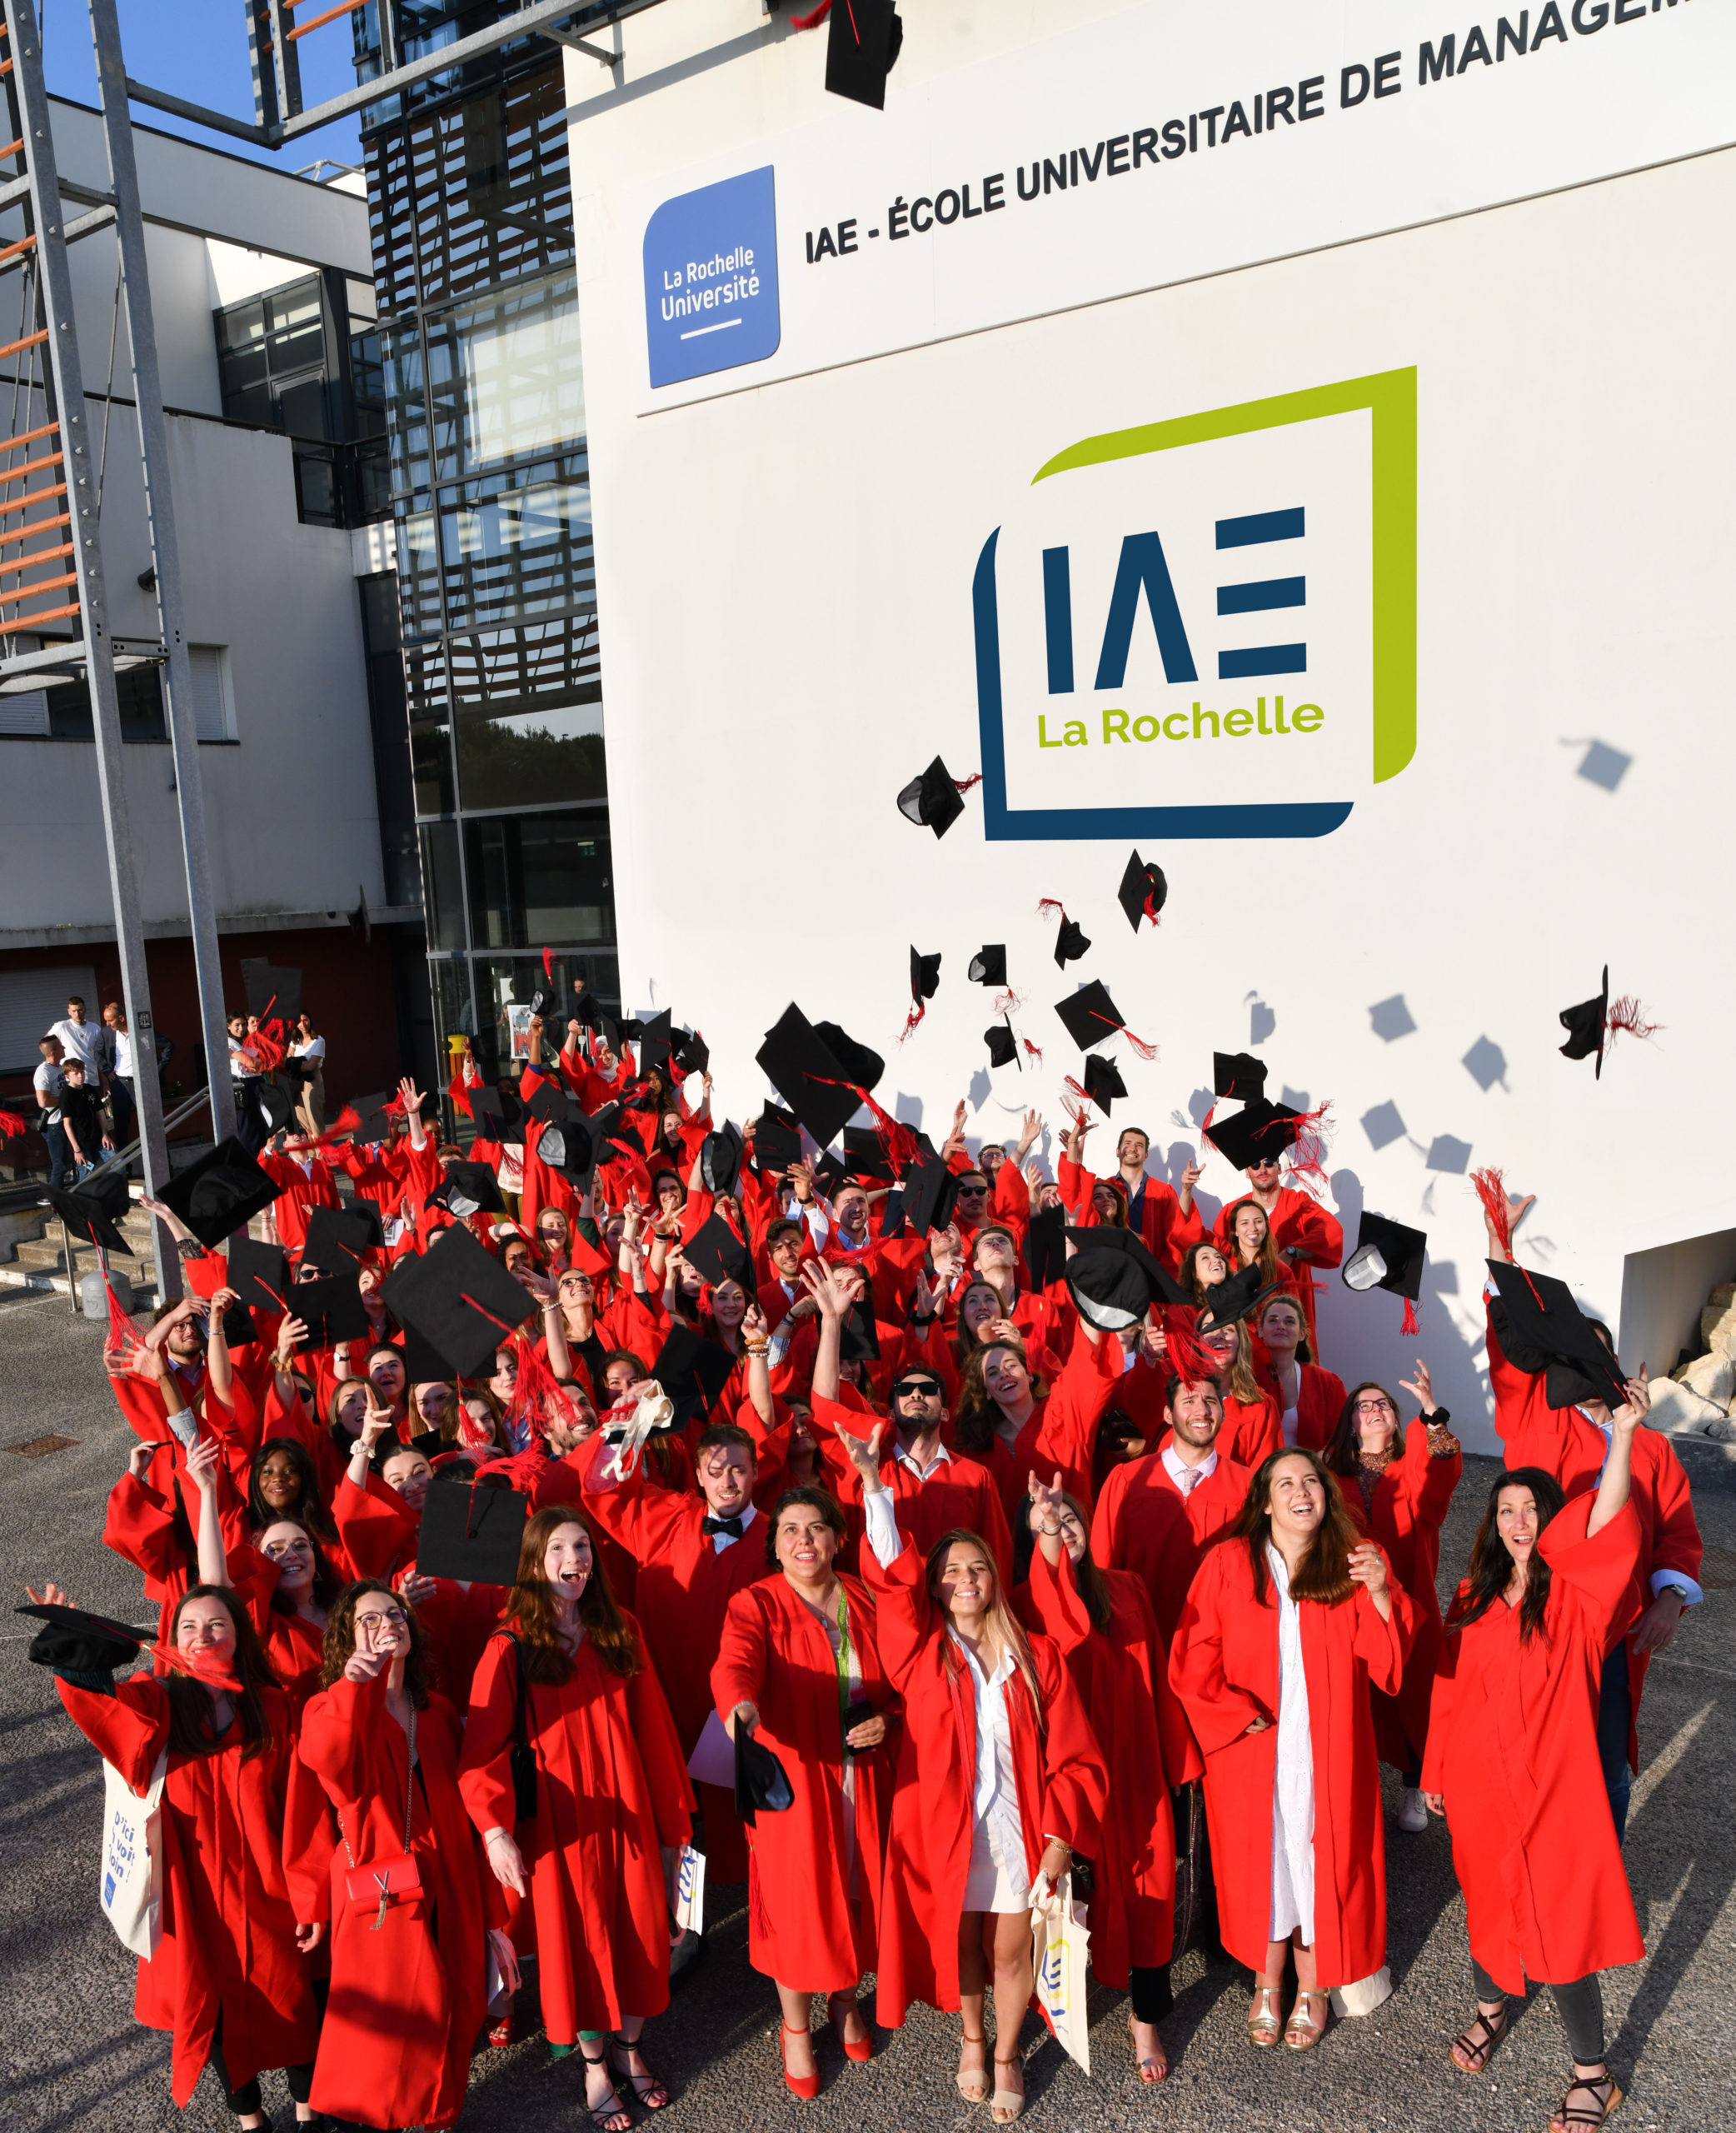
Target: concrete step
[(32, 1259)]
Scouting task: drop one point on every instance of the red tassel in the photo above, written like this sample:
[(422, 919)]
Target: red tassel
[(1626, 1014), (1151, 910), (1145, 1051), (1009, 1002), (1409, 1327), (965, 784), (812, 22), (1049, 908), (1307, 1150), (1192, 1363), (918, 1008), (346, 1122), (125, 1335), (11, 1125), (1492, 1191), (1205, 1122), (548, 965), (1073, 1098), (1031, 1051)]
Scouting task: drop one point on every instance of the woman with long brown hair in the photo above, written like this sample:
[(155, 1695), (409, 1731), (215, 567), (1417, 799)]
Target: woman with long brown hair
[(1000, 1782), (1308, 1399), (408, 1974), (1397, 1488), (604, 1796), (1291, 1597), (1012, 1423), (798, 1666), (1102, 1623), (229, 1979)]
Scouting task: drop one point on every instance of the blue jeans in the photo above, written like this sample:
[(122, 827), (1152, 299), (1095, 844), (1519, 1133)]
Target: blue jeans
[(60, 1156), (1615, 1712)]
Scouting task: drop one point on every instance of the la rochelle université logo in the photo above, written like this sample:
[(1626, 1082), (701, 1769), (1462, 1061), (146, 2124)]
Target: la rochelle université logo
[(1390, 397)]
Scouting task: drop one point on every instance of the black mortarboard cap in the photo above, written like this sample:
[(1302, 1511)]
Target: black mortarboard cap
[(691, 1371), (1237, 1075), (74, 1641), (1071, 943), (460, 1298), (377, 1119), (85, 1219), (259, 1274), (863, 1154), (276, 1107), (692, 1055), (550, 1104), (860, 1065), (471, 1533), (762, 1784), (1045, 1245), (776, 1142), (423, 1362), (932, 801), (656, 1041), (808, 1075), (719, 1254), (1103, 1082), (1540, 1326), (486, 1112), (988, 966), (1090, 1014), (1143, 891), (1585, 1025), (829, 1171), (925, 975), (570, 1146), (1003, 1045), (1113, 1279), (1226, 1302), (470, 1189), (274, 995), (931, 1192), (1259, 1132), (330, 1308), (1388, 1256), (891, 1213), (720, 1159), (860, 1339), (861, 50), (221, 1193), (338, 1239)]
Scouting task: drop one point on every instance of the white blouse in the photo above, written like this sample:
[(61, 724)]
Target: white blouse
[(1292, 1785)]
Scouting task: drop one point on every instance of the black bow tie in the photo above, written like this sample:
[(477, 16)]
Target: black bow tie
[(732, 1526)]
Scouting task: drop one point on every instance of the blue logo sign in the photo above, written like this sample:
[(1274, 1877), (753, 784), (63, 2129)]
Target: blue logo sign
[(711, 279)]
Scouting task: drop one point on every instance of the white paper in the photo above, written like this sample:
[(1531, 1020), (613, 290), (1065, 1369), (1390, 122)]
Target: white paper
[(689, 1889), (713, 1760)]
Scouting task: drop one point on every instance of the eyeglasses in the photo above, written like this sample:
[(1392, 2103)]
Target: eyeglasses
[(395, 1615), (279, 1549), (922, 1388), (1375, 1407)]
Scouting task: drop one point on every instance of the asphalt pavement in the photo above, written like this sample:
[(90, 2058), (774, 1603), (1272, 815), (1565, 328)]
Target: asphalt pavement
[(70, 2055)]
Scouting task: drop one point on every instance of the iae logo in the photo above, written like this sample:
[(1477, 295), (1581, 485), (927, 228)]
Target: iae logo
[(1205, 627)]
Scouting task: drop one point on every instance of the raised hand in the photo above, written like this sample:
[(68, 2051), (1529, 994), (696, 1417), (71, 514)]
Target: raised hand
[(1368, 1568), (824, 1285), (1419, 1388), (1048, 1500), (203, 1460), (753, 1323), (1028, 1133), (51, 1595), (375, 1423), (864, 1453), (1638, 1405), (138, 1460), (365, 1665)]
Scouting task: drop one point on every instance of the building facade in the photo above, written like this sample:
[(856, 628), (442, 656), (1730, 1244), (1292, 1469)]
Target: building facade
[(494, 633)]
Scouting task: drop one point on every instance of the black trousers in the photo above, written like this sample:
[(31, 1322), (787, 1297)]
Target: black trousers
[(244, 2101), (1579, 2004), (1149, 1990)]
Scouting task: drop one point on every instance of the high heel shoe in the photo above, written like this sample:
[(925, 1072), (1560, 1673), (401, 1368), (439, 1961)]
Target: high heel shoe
[(860, 2049), (805, 2085)]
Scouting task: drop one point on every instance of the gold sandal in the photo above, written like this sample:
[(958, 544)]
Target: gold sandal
[(1265, 2025), (1005, 2105), (978, 2076), (1301, 2034)]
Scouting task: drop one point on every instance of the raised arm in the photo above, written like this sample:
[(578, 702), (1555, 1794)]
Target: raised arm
[(1613, 1488)]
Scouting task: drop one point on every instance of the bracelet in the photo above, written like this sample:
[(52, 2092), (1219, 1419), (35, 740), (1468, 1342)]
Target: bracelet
[(756, 1349)]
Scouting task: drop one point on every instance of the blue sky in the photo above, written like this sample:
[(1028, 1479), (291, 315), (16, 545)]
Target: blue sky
[(198, 49)]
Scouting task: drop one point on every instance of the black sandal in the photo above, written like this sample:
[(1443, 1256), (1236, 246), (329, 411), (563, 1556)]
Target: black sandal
[(1569, 2117), (1481, 2049), (605, 2115), (651, 2092)]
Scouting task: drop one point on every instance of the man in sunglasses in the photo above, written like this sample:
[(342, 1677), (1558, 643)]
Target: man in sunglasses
[(933, 1492)]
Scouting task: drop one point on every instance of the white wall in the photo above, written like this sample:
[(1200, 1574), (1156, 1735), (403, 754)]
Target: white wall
[(784, 576)]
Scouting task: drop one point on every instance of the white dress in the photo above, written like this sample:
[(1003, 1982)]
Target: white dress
[(1293, 1783)]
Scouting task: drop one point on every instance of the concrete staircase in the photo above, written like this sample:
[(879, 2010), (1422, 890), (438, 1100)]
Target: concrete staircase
[(32, 1259)]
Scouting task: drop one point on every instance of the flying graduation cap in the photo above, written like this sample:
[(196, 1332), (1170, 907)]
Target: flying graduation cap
[(92, 1209), (1599, 1020), (1540, 1327), (717, 1253), (925, 975), (459, 1298), (339, 1238), (1103, 1082), (221, 1193), (1071, 942), (1143, 891), (1389, 1256), (692, 1372), (1092, 1017), (776, 1142), (469, 1189), (692, 1055), (1003, 1044), (860, 53), (988, 966), (470, 1531), (932, 799), (1237, 1075), (1237, 1297), (800, 1064), (720, 1159), (1113, 1279), (73, 1640), (1259, 1132)]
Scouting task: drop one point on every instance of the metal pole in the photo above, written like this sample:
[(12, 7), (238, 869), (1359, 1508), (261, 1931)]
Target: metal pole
[(165, 556), (55, 302)]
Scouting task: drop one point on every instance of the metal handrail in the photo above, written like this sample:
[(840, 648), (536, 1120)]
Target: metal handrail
[(184, 1110)]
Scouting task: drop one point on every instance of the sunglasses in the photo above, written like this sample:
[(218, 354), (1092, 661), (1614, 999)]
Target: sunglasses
[(924, 1387)]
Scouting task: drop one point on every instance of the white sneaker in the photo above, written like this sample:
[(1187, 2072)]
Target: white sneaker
[(1413, 1815)]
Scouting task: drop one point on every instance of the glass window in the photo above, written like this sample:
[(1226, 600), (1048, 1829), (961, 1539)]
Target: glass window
[(449, 981), (537, 880), (430, 757), (139, 691), (518, 543), (508, 380), (443, 886), (419, 573), (539, 755), (537, 664)]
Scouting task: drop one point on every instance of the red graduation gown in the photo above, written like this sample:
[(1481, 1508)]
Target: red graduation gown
[(1062, 1432), (1062, 1782), (1410, 1504), (682, 1589), (1223, 1666), (407, 1993), (611, 1790), (959, 1495), (1252, 1430), (1320, 1402), (1122, 1676), (229, 1944), (812, 1910), (1297, 1220), (299, 1192), (1513, 1747), (1143, 1523), (1564, 1443)]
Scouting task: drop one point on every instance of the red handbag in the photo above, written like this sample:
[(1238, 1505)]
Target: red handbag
[(395, 1880)]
